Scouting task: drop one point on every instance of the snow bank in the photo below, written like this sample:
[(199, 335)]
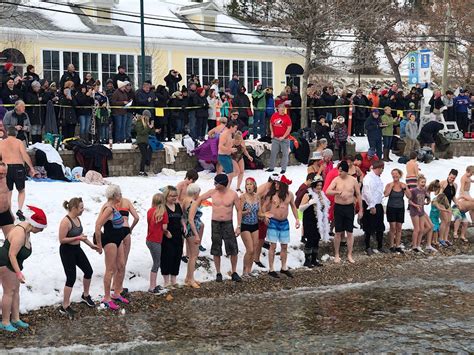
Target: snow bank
[(44, 272)]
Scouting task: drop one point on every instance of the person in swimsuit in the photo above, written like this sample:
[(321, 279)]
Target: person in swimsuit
[(6, 217), (412, 171), (172, 245), (226, 148), (238, 158), (157, 227), (70, 237), (421, 222), (464, 196), (440, 203), (396, 191), (125, 208), (214, 134), (192, 241), (110, 241), (15, 250), (449, 188), (250, 205)]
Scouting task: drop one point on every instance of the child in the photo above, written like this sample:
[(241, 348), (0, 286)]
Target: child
[(439, 204), (157, 227), (411, 135), (412, 170), (238, 158), (340, 134), (192, 241), (421, 223), (190, 178), (225, 106)]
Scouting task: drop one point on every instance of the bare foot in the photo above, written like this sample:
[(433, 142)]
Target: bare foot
[(352, 261), (337, 260)]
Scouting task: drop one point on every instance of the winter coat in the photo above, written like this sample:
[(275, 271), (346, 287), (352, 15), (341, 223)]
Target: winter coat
[(327, 100), (234, 87), (360, 113), (145, 99), (9, 97), (67, 111), (270, 107), (411, 130), (172, 82), (12, 119), (36, 112), (50, 123), (67, 76), (390, 122), (372, 126), (213, 103), (258, 98), (436, 104), (340, 133), (343, 111), (84, 100), (177, 103), (296, 101), (322, 131), (118, 99), (121, 77), (203, 104), (242, 101), (142, 132), (461, 104)]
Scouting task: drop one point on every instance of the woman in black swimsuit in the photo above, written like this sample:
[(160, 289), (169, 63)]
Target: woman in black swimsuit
[(238, 158), (15, 250), (111, 242), (70, 237), (172, 245), (449, 188)]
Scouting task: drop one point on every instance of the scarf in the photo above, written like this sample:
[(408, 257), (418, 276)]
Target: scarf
[(321, 210)]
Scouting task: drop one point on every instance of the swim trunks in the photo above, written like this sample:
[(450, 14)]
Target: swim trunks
[(223, 231), (6, 218), (226, 162), (16, 175), (459, 215), (278, 231), (344, 218)]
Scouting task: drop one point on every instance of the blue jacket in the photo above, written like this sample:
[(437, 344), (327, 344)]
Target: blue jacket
[(403, 124), (270, 110), (372, 126), (234, 87), (461, 104)]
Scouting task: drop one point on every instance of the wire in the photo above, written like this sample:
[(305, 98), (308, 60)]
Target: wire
[(210, 31)]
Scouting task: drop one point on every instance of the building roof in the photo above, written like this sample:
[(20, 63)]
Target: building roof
[(162, 21)]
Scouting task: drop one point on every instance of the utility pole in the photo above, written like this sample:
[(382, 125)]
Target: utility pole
[(446, 48), (142, 28)]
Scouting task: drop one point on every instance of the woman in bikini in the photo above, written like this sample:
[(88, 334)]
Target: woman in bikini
[(238, 158)]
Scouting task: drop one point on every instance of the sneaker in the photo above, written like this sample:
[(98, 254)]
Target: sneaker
[(20, 324), (266, 245), (87, 300), (430, 249), (369, 252), (376, 251), (421, 250), (274, 274), (142, 173), (270, 170), (156, 290), (121, 299), (287, 273), (443, 243), (8, 328), (67, 311), (184, 259), (401, 246), (202, 249), (393, 250), (259, 264), (384, 250), (20, 215), (111, 305), (399, 250), (283, 171), (416, 250), (219, 277), (236, 277)]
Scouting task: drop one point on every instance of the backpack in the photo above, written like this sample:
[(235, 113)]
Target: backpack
[(154, 143)]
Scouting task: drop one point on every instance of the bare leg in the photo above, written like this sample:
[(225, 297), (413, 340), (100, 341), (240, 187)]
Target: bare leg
[(393, 232), (67, 296), (166, 280), (233, 262), (457, 223), (337, 244), (173, 280), (241, 171), (153, 276), (110, 268), (284, 256), (9, 280), (258, 249), (120, 271), (249, 252), (271, 256), (217, 264), (416, 226), (464, 226), (193, 252), (398, 239), (350, 247), (7, 229), (428, 225), (15, 316), (21, 199), (87, 285)]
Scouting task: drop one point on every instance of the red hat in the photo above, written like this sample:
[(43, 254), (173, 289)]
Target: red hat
[(250, 179), (256, 83), (384, 92), (8, 66), (200, 90), (36, 217), (281, 178)]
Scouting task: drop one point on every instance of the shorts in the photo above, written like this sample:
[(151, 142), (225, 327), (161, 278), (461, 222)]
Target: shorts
[(412, 182), (249, 228), (395, 215), (223, 231), (16, 174), (278, 231), (226, 162), (6, 218), (459, 215), (262, 230), (344, 218)]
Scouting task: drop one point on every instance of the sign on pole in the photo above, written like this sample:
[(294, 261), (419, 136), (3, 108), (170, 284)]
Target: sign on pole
[(425, 66), (413, 68)]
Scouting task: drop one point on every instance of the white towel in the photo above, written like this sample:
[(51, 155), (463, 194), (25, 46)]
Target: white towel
[(52, 154), (171, 151), (258, 147)]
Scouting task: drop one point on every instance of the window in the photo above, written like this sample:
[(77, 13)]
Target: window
[(127, 61), (267, 74), (252, 75), (148, 71), (109, 66), (51, 69), (208, 71), (71, 57), (90, 64), (192, 67), (238, 66), (223, 73)]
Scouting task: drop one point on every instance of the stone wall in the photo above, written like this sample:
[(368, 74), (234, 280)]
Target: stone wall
[(459, 148)]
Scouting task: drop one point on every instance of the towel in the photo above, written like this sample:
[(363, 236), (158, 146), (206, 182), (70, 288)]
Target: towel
[(171, 151), (52, 154), (258, 147)]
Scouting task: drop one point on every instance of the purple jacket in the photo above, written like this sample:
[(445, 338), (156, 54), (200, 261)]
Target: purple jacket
[(208, 150)]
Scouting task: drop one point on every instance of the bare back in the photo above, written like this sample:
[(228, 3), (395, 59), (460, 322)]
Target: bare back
[(12, 151), (465, 187), (412, 168), (225, 142)]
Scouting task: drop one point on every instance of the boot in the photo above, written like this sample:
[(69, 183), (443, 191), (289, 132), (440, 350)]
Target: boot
[(314, 260), (307, 261), (385, 155)]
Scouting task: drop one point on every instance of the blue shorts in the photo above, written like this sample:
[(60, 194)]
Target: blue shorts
[(226, 162), (278, 231)]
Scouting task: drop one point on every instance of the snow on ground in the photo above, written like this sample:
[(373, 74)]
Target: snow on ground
[(44, 272)]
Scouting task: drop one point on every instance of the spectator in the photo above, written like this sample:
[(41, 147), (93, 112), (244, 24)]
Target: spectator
[(70, 75), (30, 74), (429, 132), (145, 97), (120, 76), (67, 113), (177, 111), (225, 105), (162, 99), (192, 98), (19, 119), (436, 103), (194, 79), (10, 94), (202, 113), (340, 135), (323, 129), (214, 103), (8, 72), (393, 90), (295, 111), (374, 98), (120, 99), (280, 128), (384, 99), (215, 85), (234, 85), (35, 110), (242, 102), (461, 108), (234, 116), (84, 101), (360, 112), (327, 99), (448, 101), (388, 123), (172, 81), (374, 132), (411, 138), (144, 128), (270, 108), (413, 97), (342, 104), (89, 81), (102, 113), (129, 114), (259, 105)]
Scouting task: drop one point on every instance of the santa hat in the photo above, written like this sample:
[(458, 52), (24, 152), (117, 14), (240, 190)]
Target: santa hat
[(36, 217), (8, 66), (281, 178), (257, 83)]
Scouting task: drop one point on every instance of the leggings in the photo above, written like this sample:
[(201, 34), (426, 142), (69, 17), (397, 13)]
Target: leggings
[(72, 256), (342, 149), (146, 153), (155, 250)]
